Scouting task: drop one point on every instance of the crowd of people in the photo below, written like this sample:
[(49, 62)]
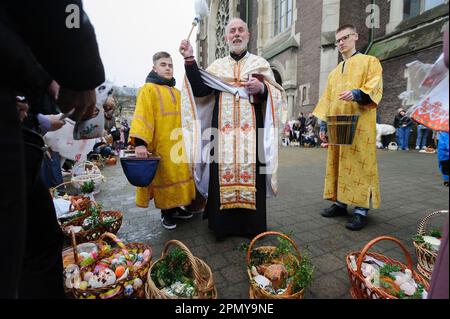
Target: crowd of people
[(405, 127), (302, 132)]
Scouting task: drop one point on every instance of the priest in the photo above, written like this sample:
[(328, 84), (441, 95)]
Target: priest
[(231, 115)]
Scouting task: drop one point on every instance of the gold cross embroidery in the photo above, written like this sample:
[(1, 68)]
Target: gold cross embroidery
[(359, 183), (373, 175), (369, 143), (354, 150), (353, 201), (363, 163), (344, 189), (349, 170)]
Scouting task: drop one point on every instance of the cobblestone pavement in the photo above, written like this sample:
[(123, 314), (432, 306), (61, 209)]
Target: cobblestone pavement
[(410, 186)]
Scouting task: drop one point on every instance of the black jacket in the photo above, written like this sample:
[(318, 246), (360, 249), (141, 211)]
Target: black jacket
[(402, 121), (36, 46)]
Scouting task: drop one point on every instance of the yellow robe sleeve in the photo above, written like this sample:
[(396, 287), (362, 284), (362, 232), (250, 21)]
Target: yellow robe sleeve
[(322, 109), (143, 125), (373, 86)]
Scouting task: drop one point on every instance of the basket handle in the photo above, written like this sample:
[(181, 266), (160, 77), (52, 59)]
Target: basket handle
[(74, 247), (84, 163), (53, 189), (424, 222), (117, 241), (250, 247), (189, 254), (377, 240)]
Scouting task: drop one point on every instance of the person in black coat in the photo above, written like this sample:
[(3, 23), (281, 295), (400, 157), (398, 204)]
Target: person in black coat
[(37, 47), (403, 124)]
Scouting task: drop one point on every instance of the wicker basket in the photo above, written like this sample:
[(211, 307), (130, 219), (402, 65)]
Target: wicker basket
[(54, 190), (426, 257), (87, 172), (256, 292), (71, 258), (203, 277), (114, 226), (97, 160), (95, 233), (75, 205), (360, 289), (116, 291)]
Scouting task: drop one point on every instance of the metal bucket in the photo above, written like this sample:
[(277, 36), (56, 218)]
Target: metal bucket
[(342, 129)]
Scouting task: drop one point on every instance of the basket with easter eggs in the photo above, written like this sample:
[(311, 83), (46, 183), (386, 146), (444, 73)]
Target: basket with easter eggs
[(118, 272)]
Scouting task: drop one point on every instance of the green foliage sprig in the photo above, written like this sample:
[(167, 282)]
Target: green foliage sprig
[(88, 187), (172, 269)]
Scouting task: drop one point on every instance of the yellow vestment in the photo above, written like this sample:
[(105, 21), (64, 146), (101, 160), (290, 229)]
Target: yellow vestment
[(156, 121), (352, 171)]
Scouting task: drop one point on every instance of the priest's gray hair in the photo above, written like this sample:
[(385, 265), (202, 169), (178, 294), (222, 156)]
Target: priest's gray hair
[(227, 29)]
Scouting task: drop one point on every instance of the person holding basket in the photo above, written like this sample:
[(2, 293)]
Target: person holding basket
[(348, 106), (155, 128)]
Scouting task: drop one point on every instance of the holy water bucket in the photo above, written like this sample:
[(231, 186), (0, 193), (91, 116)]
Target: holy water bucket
[(342, 129)]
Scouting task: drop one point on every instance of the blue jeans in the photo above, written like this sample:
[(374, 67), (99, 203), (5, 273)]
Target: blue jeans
[(422, 136), (403, 137)]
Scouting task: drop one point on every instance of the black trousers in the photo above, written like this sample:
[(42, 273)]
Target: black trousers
[(31, 262)]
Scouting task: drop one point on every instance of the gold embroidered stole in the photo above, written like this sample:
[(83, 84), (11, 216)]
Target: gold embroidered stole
[(237, 146)]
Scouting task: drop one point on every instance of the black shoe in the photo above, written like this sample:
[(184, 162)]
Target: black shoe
[(334, 211), (357, 223), (182, 214), (446, 184), (168, 222)]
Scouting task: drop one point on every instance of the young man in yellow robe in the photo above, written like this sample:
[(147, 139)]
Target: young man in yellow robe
[(354, 87), (156, 118)]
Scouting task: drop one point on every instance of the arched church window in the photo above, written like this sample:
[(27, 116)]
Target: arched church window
[(223, 17)]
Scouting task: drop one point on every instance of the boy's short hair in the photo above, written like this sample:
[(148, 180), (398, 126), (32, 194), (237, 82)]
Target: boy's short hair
[(345, 27), (160, 55)]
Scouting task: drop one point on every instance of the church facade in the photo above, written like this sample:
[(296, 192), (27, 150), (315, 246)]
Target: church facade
[(297, 38)]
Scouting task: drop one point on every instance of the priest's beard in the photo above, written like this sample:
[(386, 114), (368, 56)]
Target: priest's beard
[(238, 47)]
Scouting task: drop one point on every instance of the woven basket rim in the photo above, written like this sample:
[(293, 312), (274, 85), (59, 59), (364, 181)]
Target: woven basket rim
[(200, 269), (381, 293), (254, 286), (424, 250), (152, 285)]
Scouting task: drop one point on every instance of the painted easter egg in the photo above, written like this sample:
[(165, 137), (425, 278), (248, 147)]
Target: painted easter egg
[(129, 290), (137, 283), (120, 271), (88, 276)]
